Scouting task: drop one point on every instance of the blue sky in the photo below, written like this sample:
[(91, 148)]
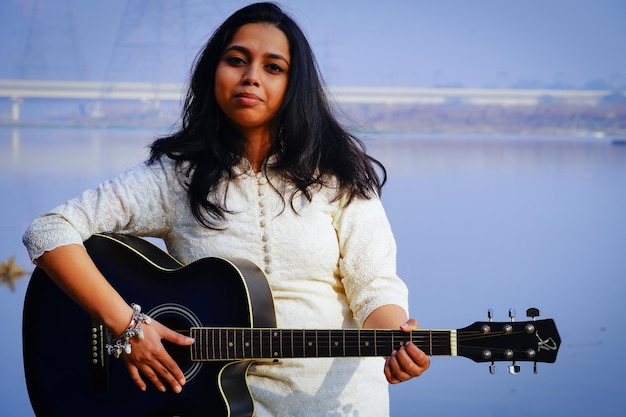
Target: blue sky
[(413, 43)]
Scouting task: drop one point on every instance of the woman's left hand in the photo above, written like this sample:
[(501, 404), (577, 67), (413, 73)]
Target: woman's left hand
[(407, 362)]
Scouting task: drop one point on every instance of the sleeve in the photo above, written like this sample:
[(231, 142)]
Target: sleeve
[(367, 261), (134, 202)]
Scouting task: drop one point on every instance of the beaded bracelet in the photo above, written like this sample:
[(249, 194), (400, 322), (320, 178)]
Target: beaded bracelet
[(122, 343)]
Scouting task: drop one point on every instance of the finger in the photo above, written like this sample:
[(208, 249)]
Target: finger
[(152, 376), (174, 373), (418, 356), (177, 338), (396, 373), (171, 376), (412, 360), (406, 363), (135, 377), (409, 325), (391, 377), (166, 360), (158, 367)]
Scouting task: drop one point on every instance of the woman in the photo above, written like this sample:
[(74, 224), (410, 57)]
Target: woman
[(261, 169)]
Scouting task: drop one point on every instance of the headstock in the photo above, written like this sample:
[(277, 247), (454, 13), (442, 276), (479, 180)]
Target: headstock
[(527, 341)]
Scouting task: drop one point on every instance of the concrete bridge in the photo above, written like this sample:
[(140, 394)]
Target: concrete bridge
[(17, 91)]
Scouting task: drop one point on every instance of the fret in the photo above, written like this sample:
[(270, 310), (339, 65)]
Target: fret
[(310, 344), (297, 343), (301, 343), (441, 342), (196, 347), (241, 344), (245, 344), (336, 343), (352, 340), (266, 343), (286, 344), (250, 343), (255, 341), (323, 343), (209, 343), (219, 344), (276, 343), (230, 344), (397, 341), (430, 342), (367, 343)]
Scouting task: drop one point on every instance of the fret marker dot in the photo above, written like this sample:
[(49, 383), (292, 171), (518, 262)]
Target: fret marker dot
[(310, 343), (367, 343), (275, 334), (275, 353), (336, 343), (230, 344)]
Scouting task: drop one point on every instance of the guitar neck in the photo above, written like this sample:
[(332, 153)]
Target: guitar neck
[(240, 344)]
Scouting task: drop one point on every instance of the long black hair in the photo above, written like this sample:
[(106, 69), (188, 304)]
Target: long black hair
[(310, 144)]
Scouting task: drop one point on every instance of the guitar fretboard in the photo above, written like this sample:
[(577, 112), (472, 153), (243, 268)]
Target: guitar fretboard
[(239, 344)]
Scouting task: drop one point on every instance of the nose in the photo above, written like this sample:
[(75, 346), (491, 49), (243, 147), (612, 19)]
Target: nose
[(251, 76)]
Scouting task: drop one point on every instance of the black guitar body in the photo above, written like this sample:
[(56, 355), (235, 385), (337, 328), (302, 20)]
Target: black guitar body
[(68, 372)]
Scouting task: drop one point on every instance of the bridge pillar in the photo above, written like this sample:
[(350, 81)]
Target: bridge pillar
[(15, 108)]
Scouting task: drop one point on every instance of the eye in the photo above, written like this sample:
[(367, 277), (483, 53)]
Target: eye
[(274, 68), (234, 60)]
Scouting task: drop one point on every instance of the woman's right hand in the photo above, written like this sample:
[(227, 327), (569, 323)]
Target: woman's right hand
[(74, 272), (149, 357)]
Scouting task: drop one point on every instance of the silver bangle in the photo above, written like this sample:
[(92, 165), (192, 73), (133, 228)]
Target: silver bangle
[(122, 343)]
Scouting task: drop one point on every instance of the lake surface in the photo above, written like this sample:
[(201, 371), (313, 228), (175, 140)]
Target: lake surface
[(480, 223)]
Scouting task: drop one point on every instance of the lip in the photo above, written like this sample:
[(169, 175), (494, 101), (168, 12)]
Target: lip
[(247, 99)]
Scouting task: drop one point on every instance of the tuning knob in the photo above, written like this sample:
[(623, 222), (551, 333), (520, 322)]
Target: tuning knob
[(514, 369), (532, 313)]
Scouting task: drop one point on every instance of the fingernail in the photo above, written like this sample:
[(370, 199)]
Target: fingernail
[(162, 388), (191, 340), (178, 389), (182, 381)]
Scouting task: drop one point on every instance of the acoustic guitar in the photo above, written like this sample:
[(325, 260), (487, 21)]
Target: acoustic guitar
[(227, 306)]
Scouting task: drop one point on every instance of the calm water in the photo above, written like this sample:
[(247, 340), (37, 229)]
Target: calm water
[(480, 224)]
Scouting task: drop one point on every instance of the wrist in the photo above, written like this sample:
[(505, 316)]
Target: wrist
[(122, 343), (118, 319)]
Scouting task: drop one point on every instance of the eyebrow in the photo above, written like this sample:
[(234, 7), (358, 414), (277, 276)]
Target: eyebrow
[(246, 51)]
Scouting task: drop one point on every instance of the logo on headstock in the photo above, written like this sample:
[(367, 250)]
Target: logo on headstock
[(546, 344)]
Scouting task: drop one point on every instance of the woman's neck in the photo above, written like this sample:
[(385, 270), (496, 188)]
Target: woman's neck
[(258, 147)]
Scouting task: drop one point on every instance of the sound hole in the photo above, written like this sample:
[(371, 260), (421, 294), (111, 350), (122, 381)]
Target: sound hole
[(180, 319), (179, 353)]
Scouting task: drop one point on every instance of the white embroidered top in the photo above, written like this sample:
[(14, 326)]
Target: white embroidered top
[(328, 266)]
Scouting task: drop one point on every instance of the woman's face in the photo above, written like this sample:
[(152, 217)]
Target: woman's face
[(252, 77)]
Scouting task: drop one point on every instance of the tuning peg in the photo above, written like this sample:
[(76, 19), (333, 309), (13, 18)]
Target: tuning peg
[(514, 369), (532, 313), (492, 368), (490, 314), (512, 314)]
